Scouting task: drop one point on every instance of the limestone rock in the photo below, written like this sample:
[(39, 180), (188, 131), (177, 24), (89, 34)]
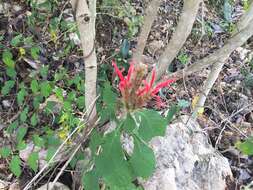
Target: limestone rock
[(57, 186), (186, 161)]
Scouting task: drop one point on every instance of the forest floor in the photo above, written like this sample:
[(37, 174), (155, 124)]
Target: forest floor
[(43, 43)]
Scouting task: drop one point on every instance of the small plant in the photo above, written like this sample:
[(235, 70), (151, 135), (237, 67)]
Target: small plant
[(114, 166), (183, 58)]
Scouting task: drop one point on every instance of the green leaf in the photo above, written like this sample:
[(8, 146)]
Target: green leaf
[(34, 120), (8, 85), (38, 141), (109, 99), (21, 133), (23, 115), (183, 103), (44, 71), (173, 110), (142, 159), (152, 124), (16, 40), (5, 152), (12, 127), (45, 89), (96, 140), (67, 105), (80, 102), (50, 153), (129, 124), (35, 52), (36, 101), (246, 147), (33, 161), (111, 163), (59, 93), (227, 10), (21, 96), (21, 145), (34, 86), (15, 166), (11, 72), (90, 181), (124, 50), (7, 58)]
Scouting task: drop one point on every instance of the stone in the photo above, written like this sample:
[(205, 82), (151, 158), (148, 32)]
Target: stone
[(186, 160), (6, 103), (57, 186)]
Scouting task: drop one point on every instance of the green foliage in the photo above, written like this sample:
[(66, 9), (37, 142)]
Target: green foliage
[(5, 152), (227, 11), (8, 85), (7, 58), (183, 58), (151, 124), (143, 159), (90, 181), (33, 161), (15, 166), (16, 40), (246, 147)]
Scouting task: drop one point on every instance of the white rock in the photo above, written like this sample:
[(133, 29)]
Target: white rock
[(57, 186), (4, 185), (6, 103), (186, 161)]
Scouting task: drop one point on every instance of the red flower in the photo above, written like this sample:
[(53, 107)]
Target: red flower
[(143, 91)]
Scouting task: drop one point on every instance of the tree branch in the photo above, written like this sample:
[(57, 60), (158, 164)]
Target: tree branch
[(149, 18), (178, 39)]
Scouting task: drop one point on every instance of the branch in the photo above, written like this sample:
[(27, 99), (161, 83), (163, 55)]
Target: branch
[(245, 21), (85, 18), (149, 18), (178, 39)]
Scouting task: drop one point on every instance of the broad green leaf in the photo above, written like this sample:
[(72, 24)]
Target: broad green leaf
[(34, 86), (11, 72), (34, 120), (23, 114), (15, 166), (80, 102), (246, 147), (142, 159), (35, 52), (46, 89), (38, 141), (111, 163), (152, 124), (21, 96), (129, 124), (90, 181), (36, 101), (173, 110), (16, 40), (5, 152), (33, 161), (109, 101), (8, 85), (21, 133), (7, 58), (71, 96), (67, 105)]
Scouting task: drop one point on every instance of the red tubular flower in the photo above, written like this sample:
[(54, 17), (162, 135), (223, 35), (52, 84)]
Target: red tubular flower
[(161, 85)]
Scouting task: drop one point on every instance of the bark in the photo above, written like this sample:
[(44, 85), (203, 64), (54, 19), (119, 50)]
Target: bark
[(178, 39), (149, 18), (85, 18)]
